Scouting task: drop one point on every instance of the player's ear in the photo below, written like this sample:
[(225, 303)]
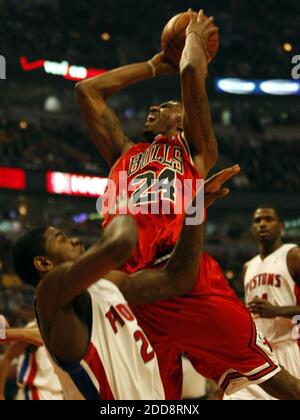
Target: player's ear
[(42, 264)]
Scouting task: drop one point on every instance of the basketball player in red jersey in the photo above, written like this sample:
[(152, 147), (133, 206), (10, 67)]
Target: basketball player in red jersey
[(209, 325)]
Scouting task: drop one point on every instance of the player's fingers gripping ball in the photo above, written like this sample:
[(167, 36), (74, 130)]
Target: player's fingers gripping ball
[(174, 35)]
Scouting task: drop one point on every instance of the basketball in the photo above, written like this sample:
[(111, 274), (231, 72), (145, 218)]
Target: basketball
[(173, 38)]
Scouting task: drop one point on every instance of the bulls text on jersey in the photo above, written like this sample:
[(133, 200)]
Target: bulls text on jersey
[(170, 156)]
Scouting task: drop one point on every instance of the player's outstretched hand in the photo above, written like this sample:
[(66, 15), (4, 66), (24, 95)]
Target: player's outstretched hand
[(213, 187), (162, 66), (203, 27)]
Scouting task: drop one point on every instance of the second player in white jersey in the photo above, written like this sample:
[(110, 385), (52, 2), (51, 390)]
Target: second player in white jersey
[(36, 377), (271, 280), (272, 293)]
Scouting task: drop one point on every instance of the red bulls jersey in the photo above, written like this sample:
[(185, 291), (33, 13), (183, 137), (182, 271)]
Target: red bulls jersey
[(166, 162), (167, 159), (200, 323)]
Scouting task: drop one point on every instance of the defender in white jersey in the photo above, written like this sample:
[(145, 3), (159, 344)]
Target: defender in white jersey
[(21, 337), (82, 309), (36, 378), (272, 292), (119, 360)]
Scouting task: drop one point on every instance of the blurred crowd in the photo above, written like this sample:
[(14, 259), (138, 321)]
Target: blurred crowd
[(267, 164), (54, 30), (16, 299), (48, 146)]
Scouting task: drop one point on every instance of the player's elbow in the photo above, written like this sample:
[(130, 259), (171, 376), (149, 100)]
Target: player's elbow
[(82, 90), (86, 90)]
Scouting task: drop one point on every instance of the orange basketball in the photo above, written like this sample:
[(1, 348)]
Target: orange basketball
[(173, 38)]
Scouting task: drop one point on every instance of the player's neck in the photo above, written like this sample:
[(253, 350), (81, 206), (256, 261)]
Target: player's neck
[(267, 248), (172, 133)]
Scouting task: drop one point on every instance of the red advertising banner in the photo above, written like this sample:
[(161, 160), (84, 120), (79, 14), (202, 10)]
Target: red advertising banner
[(75, 184), (12, 178)]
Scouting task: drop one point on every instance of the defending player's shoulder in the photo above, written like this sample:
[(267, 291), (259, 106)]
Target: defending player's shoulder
[(49, 290), (293, 263)]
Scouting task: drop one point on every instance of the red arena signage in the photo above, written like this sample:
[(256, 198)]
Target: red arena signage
[(12, 178), (63, 68), (75, 185)]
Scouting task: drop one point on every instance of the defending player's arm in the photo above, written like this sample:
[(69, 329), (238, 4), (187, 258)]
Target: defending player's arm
[(3, 326), (68, 281), (25, 335), (265, 309), (103, 124), (197, 124), (179, 275), (13, 351)]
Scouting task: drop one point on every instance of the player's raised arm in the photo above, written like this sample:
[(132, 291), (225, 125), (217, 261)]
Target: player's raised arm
[(180, 274), (61, 285), (197, 122), (103, 124)]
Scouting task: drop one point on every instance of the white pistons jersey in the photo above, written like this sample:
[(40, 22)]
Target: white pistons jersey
[(36, 377), (270, 279), (120, 363)]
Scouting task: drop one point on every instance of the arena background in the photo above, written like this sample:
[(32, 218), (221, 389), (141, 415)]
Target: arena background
[(41, 131)]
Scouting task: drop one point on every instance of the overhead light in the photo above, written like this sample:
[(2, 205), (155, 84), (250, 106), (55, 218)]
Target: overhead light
[(52, 104), (280, 87), (287, 47), (105, 36), (23, 210), (230, 275), (23, 125), (236, 86)]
